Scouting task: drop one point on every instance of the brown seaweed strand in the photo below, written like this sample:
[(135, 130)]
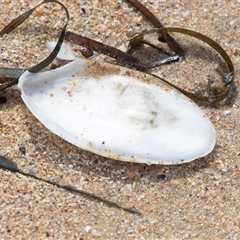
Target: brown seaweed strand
[(104, 49)]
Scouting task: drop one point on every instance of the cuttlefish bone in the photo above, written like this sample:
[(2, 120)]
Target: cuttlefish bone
[(118, 113)]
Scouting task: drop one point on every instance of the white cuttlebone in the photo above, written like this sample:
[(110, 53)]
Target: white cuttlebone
[(65, 53), (119, 114)]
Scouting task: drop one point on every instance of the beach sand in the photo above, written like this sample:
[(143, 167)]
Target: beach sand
[(197, 200)]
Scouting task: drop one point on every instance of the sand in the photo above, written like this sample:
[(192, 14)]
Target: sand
[(198, 200)]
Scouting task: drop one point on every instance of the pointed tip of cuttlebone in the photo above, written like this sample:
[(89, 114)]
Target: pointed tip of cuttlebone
[(65, 52)]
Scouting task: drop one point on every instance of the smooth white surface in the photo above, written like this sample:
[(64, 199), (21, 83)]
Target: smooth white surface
[(117, 116)]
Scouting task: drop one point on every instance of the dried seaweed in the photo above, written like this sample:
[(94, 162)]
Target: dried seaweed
[(216, 94), (10, 165), (227, 78), (13, 74)]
